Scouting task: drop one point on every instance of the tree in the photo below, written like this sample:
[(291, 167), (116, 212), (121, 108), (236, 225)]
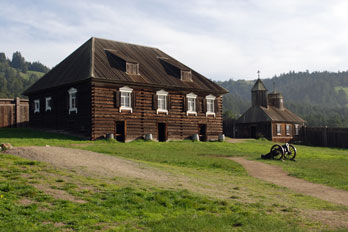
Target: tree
[(18, 62), (37, 66), (342, 97), (2, 57)]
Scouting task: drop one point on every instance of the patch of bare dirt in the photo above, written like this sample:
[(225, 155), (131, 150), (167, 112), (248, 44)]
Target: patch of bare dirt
[(277, 176), (234, 140), (25, 201), (58, 194), (333, 218)]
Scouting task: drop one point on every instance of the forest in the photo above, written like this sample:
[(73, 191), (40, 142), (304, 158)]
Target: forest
[(318, 97), (16, 75)]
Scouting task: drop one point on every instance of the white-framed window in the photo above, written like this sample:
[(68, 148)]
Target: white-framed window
[(48, 105), (210, 105), (126, 99), (297, 129), (191, 104), (288, 127), (37, 106), (162, 101), (279, 129), (72, 100)]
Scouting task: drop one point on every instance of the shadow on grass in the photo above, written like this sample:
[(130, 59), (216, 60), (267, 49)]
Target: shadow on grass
[(27, 133)]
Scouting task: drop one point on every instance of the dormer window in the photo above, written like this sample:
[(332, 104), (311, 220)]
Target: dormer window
[(186, 75), (132, 68), (210, 105), (191, 104)]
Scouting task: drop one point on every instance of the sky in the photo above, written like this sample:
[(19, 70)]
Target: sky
[(221, 39)]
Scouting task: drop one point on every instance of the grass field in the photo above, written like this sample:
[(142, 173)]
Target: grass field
[(131, 205)]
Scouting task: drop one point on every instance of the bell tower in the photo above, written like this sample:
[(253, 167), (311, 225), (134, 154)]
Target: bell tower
[(259, 93)]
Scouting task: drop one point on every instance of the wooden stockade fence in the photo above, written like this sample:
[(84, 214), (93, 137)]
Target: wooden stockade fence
[(311, 136), (14, 112), (229, 127), (325, 137)]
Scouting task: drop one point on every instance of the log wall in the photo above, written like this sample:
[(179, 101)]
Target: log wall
[(144, 120), (58, 118)]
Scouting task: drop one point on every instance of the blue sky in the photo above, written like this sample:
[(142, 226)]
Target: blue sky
[(220, 39)]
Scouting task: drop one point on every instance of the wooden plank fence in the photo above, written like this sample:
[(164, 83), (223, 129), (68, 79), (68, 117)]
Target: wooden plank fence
[(14, 112), (325, 137), (229, 127)]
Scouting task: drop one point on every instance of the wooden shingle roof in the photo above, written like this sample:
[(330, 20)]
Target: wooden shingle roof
[(259, 86), (270, 114), (102, 59)]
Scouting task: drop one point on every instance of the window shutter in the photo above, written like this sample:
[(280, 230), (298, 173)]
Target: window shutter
[(204, 105), (67, 101), (185, 104), (216, 105), (117, 99), (134, 100), (169, 102), (198, 104), (154, 102), (52, 104), (77, 100)]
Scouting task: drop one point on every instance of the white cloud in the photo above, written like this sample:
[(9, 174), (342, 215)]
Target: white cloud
[(220, 39)]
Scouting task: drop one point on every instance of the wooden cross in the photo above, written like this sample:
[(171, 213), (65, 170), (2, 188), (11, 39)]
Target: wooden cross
[(258, 74)]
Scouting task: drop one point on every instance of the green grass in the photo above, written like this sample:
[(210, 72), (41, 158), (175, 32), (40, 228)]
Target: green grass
[(128, 205), (112, 206), (316, 164)]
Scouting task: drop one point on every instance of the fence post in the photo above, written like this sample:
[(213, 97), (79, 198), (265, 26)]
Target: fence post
[(305, 141), (325, 136), (18, 111)]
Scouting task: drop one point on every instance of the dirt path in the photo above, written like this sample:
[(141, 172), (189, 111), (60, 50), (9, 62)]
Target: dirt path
[(91, 163), (277, 176)]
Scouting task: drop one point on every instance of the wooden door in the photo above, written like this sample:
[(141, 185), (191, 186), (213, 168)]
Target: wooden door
[(202, 131), (120, 131), (162, 132)]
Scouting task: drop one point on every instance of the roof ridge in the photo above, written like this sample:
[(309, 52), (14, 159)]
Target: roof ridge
[(124, 42)]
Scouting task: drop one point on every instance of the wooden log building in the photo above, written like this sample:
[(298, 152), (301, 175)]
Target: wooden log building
[(108, 87), (268, 117)]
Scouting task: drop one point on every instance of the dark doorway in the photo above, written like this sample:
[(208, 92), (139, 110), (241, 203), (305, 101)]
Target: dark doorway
[(202, 132), (120, 133), (162, 132), (253, 132)]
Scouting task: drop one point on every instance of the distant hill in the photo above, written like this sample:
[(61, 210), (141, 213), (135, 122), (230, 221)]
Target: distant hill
[(318, 97), (16, 75)]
